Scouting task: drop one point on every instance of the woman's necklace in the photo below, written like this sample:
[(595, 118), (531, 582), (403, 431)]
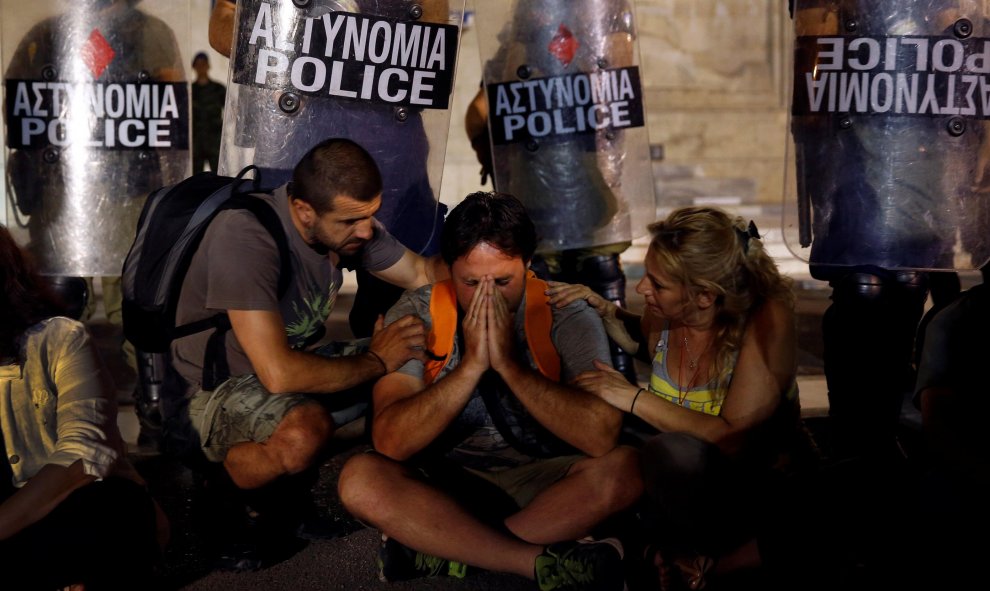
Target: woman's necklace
[(693, 364)]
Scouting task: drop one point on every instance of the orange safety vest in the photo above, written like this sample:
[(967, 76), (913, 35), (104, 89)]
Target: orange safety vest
[(538, 322)]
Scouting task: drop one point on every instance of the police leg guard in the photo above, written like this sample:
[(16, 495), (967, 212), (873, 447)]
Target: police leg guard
[(148, 398), (72, 292), (868, 333), (604, 275)]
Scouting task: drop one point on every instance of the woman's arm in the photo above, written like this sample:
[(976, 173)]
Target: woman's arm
[(622, 326), (42, 493), (765, 369)]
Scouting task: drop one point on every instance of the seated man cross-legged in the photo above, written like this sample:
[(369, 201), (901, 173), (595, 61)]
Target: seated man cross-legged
[(491, 413)]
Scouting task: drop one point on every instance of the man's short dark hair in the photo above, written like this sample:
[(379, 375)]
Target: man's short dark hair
[(496, 218), (333, 167), (201, 56)]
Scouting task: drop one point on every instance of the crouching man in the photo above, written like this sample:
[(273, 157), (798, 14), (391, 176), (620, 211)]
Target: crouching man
[(486, 456)]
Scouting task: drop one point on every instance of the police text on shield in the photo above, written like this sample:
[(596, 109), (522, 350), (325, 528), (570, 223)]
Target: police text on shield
[(97, 115), (564, 105), (919, 76), (347, 56)]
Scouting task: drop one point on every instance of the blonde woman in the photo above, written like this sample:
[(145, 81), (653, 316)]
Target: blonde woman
[(722, 403)]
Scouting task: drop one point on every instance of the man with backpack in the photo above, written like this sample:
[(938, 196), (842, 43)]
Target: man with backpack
[(247, 400), (486, 456)]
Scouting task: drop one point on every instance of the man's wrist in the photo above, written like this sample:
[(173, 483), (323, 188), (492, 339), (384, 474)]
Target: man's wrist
[(377, 359), (509, 369), (471, 368)]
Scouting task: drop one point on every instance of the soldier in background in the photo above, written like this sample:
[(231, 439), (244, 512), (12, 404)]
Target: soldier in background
[(884, 196), (208, 97)]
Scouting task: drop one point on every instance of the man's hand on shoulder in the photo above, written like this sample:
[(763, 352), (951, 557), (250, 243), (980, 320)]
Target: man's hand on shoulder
[(399, 342)]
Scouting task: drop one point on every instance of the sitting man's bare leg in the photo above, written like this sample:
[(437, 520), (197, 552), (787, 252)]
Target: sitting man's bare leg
[(593, 489), (292, 447), (389, 496)]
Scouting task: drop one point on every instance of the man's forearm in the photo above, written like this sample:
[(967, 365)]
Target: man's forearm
[(42, 493), (221, 28), (405, 427), (300, 372), (436, 269), (575, 416)]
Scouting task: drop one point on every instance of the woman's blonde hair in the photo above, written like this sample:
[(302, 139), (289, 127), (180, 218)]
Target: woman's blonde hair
[(706, 249)]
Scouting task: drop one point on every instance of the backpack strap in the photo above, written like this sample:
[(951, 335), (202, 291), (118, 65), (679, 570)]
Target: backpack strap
[(215, 367), (440, 340), (538, 323)]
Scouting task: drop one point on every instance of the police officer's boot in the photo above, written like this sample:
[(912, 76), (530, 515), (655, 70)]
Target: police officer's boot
[(868, 333)]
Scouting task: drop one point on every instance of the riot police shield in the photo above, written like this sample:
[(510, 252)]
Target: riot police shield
[(379, 72), (888, 161), (97, 116), (566, 117)]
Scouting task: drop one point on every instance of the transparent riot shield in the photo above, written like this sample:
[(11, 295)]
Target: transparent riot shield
[(889, 142), (379, 72), (566, 117), (96, 114)]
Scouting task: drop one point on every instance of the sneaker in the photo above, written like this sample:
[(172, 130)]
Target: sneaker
[(584, 564), (397, 562)]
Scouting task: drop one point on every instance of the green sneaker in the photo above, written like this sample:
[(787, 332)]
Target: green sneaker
[(401, 563), (593, 565)]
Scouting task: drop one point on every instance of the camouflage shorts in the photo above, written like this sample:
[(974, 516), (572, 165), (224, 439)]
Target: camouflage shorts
[(241, 409)]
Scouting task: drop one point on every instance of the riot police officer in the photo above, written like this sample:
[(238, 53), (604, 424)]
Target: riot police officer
[(886, 142)]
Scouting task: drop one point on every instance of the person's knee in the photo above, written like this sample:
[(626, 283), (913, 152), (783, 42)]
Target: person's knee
[(617, 479), (300, 436), (676, 454), (365, 486), (676, 463)]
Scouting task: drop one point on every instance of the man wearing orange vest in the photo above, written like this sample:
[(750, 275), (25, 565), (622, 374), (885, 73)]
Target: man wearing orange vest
[(486, 455)]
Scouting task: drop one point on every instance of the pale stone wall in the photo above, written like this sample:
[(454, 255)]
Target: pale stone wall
[(715, 74)]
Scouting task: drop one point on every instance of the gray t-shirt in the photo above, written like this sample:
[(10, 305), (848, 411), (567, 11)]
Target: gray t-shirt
[(472, 439), (236, 267)]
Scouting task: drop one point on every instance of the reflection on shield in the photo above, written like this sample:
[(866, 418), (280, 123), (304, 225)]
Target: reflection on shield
[(566, 117), (97, 116), (888, 124)]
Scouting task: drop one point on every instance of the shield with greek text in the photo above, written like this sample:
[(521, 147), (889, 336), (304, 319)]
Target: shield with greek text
[(887, 163), (379, 72), (96, 114), (566, 117)]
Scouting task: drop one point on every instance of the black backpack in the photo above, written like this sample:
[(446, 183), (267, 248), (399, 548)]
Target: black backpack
[(170, 229)]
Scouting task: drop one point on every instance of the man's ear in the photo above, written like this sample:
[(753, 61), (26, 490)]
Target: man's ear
[(304, 211)]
